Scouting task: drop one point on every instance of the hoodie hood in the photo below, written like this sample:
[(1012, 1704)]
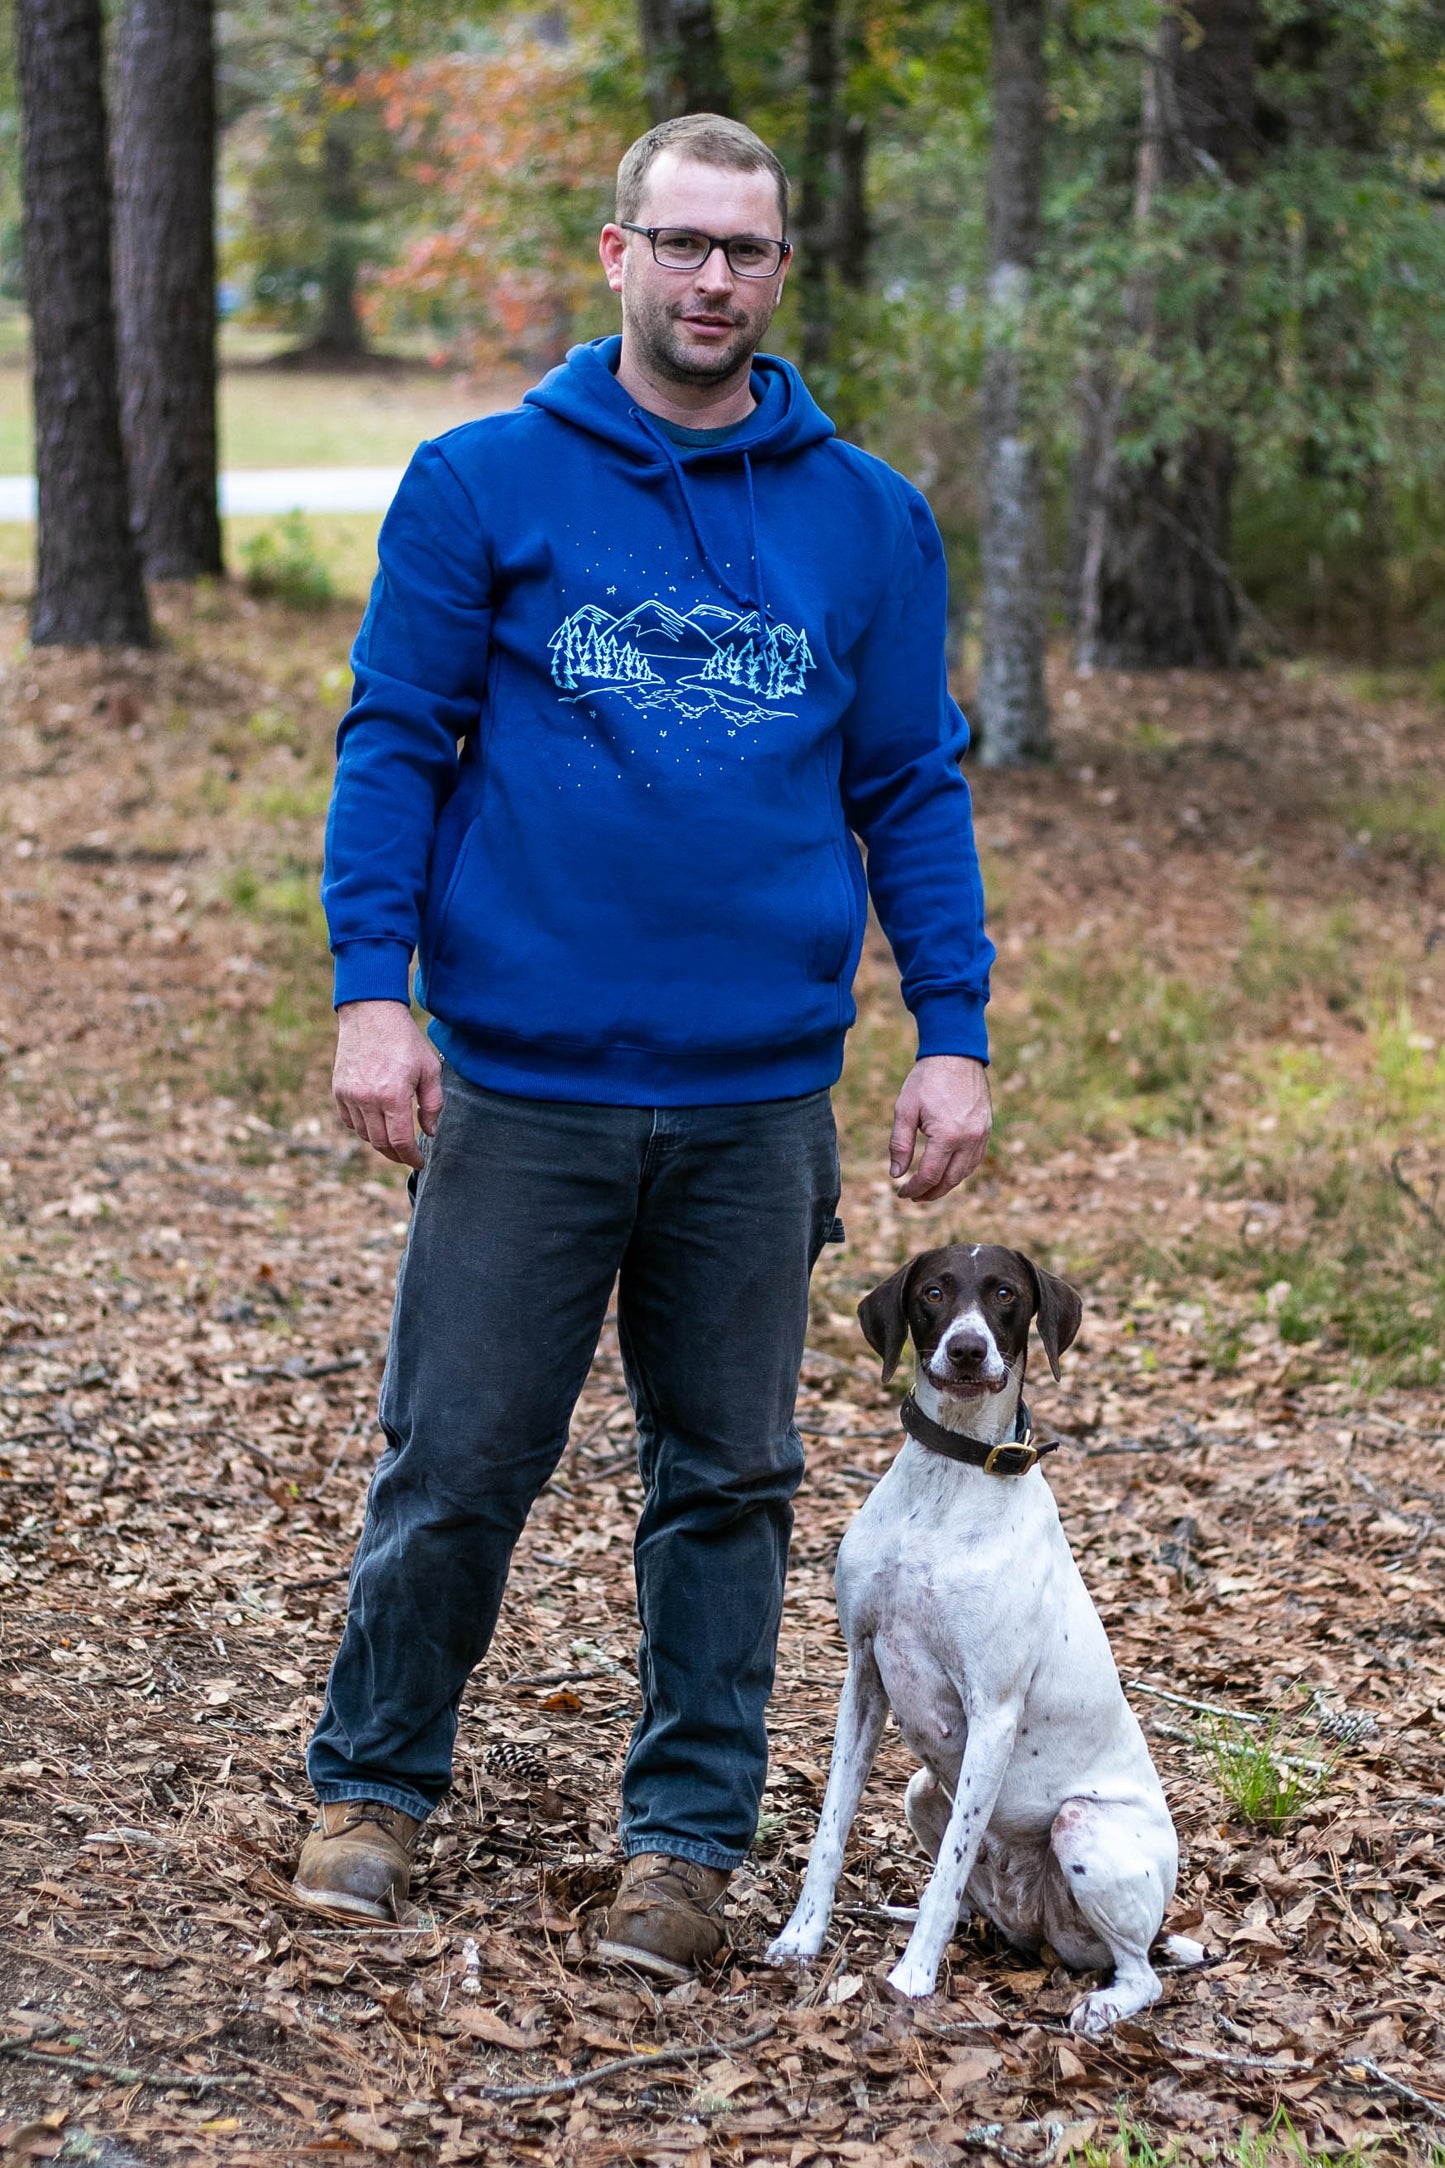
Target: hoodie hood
[(787, 419), (585, 392)]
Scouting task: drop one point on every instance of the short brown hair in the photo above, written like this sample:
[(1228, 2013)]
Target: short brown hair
[(709, 138)]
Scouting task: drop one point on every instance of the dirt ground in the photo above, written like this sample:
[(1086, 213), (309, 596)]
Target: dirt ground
[(195, 1272)]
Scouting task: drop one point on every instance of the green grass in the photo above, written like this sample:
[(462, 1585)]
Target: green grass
[(297, 418), (1109, 1045), (1277, 2145), (344, 542), (1409, 821), (1268, 1772)]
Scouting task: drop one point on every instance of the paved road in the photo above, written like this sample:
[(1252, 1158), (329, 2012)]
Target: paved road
[(257, 490)]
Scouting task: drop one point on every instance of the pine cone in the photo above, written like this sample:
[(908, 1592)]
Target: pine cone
[(1349, 1726), (517, 1763)]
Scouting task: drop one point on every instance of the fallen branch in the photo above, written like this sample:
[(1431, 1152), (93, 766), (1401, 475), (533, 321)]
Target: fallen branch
[(554, 2088), (1408, 1190), (198, 2081), (1433, 2108), (1270, 2065), (1187, 1701)]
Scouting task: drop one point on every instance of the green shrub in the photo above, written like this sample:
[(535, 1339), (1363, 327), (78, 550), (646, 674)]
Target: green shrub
[(282, 562)]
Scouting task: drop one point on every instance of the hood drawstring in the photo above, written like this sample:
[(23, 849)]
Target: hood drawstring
[(758, 599), (756, 545)]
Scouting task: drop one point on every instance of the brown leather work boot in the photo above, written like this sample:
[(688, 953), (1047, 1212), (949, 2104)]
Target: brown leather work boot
[(358, 1859), (664, 1918)]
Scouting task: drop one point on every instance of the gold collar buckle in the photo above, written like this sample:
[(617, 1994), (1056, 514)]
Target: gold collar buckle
[(1015, 1458)]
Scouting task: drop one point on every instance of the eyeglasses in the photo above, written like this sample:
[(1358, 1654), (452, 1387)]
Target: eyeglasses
[(681, 248)]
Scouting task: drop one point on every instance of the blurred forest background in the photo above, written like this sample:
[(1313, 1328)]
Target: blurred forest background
[(1228, 353)]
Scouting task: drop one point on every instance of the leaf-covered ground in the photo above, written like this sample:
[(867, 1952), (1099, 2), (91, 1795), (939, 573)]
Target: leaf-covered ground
[(1220, 1108)]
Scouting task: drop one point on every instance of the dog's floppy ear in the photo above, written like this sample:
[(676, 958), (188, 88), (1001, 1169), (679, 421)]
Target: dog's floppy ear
[(1058, 1312), (884, 1318)]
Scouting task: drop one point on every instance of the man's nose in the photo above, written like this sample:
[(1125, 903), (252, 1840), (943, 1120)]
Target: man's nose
[(714, 275)]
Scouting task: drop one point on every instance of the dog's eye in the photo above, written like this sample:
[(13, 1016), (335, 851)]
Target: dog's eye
[(1004, 1294), (933, 1294)]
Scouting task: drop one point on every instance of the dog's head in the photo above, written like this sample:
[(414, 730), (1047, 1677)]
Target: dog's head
[(968, 1309)]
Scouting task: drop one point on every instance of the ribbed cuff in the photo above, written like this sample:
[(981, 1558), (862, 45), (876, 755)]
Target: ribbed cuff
[(372, 971), (950, 1024)]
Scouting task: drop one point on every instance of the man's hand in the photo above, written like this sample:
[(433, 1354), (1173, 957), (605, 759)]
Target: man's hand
[(383, 1067), (945, 1101)]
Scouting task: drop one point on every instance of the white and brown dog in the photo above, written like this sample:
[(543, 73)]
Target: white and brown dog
[(964, 1613)]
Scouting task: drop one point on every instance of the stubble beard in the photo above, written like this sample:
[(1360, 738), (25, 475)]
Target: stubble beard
[(654, 325)]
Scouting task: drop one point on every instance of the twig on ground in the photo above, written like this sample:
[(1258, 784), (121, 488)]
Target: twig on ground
[(1187, 1701), (340, 1453), (1408, 1190), (1433, 2108), (1188, 2050), (295, 1372), (318, 1580), (200, 2081), (554, 2088)]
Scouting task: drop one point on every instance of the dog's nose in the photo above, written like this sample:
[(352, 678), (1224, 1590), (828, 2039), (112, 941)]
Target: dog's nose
[(966, 1351)]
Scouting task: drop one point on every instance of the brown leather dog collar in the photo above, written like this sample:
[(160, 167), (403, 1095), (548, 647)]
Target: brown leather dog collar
[(1015, 1456)]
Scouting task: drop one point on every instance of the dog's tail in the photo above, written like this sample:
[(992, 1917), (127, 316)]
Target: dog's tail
[(1180, 1950)]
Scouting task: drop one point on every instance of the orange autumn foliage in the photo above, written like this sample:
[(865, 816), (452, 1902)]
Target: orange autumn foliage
[(518, 168)]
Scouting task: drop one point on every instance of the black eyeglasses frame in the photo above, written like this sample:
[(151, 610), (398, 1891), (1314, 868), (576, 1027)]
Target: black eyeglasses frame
[(714, 241)]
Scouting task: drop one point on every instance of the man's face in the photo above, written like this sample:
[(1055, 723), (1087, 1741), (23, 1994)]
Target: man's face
[(695, 327)]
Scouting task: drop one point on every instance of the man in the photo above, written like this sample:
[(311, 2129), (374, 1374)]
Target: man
[(689, 646)]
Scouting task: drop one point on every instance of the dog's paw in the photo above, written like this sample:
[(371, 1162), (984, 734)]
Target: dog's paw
[(912, 1982), (1095, 2015), (790, 1949)]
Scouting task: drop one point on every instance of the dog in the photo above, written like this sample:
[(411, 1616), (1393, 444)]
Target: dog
[(964, 1612)]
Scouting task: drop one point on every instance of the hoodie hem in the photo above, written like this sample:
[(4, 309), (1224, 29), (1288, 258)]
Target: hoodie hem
[(629, 1076)]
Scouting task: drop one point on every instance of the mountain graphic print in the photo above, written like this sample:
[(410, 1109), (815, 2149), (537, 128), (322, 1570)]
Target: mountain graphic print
[(712, 661)]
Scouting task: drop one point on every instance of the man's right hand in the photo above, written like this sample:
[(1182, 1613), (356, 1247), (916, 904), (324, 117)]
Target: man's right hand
[(386, 1078)]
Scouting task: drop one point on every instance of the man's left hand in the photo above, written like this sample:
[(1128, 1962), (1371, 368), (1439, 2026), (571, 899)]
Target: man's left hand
[(945, 1101)]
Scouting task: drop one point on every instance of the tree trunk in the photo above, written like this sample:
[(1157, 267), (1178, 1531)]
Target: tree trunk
[(88, 590), (832, 222), (165, 273), (1155, 589), (341, 332), (683, 64), (1012, 704), (816, 210)]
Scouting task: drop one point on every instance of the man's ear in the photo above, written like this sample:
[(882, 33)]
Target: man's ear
[(884, 1318), (1058, 1311)]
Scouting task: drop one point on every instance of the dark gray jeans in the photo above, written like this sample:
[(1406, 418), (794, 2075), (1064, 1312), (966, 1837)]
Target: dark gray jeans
[(710, 1219)]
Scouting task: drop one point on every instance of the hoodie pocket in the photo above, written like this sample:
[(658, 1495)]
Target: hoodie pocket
[(832, 942)]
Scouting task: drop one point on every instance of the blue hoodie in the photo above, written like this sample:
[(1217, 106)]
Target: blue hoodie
[(620, 712)]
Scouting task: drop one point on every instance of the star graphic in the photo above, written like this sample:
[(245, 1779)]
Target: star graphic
[(612, 590)]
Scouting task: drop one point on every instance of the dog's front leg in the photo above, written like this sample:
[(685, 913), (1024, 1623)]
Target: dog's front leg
[(862, 1713), (985, 1759)]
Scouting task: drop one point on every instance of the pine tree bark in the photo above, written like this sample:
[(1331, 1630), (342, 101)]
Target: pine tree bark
[(89, 590), (165, 274), (341, 335), (1012, 704), (816, 210), (1155, 588), (683, 64), (832, 222)]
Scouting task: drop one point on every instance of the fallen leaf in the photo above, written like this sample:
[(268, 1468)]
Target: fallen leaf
[(368, 2132), (479, 2024)]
